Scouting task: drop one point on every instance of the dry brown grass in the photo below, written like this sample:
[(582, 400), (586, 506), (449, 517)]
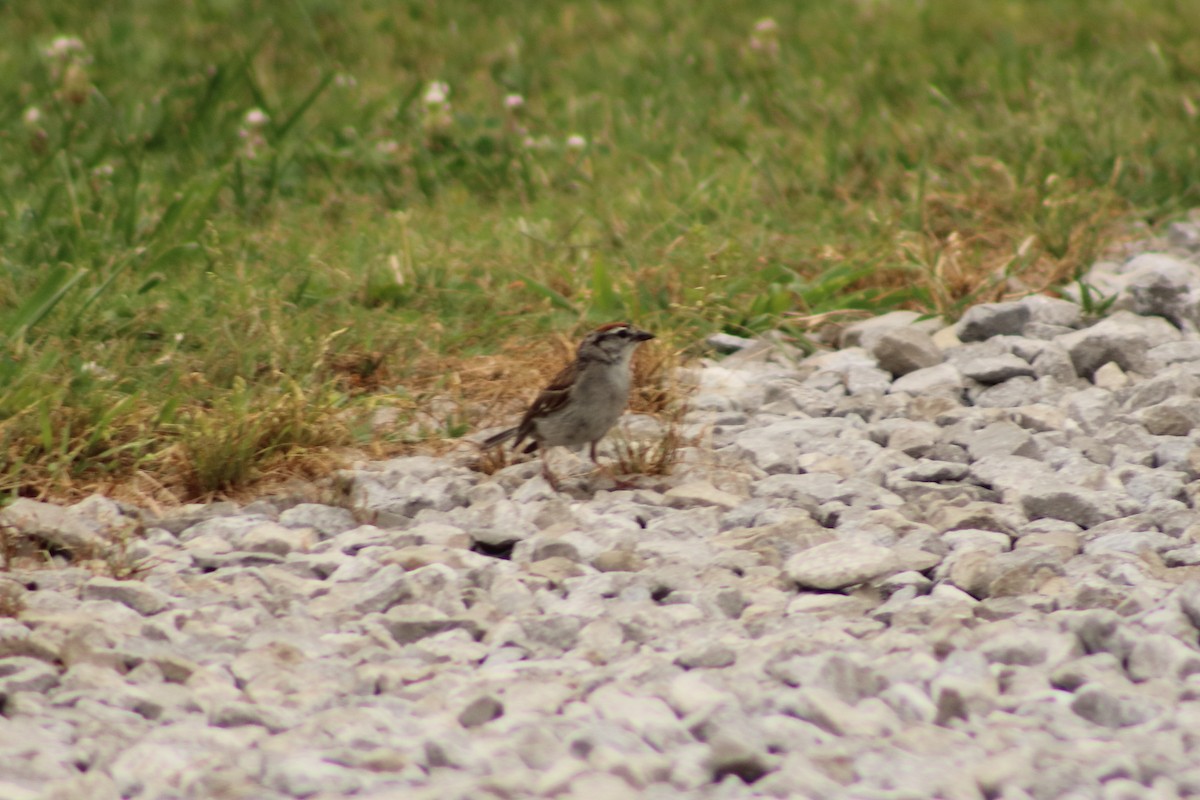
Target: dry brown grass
[(657, 455), (972, 250)]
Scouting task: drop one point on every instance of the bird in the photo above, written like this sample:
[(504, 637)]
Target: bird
[(582, 403)]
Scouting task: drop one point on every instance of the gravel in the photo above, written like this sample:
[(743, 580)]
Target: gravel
[(954, 563)]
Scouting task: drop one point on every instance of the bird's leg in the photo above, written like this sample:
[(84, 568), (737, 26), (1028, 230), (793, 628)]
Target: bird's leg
[(546, 473)]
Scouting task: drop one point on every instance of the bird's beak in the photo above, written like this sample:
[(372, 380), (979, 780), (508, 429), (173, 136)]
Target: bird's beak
[(643, 336)]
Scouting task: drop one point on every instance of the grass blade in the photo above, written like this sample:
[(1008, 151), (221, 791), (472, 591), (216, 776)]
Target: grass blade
[(48, 295), (304, 105), (556, 299)]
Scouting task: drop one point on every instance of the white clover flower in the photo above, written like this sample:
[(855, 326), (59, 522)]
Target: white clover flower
[(105, 170), (61, 47), (251, 134), (514, 101), (765, 37), (436, 93), (576, 142), (344, 80), (95, 370), (32, 116), (256, 118)]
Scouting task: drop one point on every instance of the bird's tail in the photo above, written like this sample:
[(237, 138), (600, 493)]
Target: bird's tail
[(498, 439)]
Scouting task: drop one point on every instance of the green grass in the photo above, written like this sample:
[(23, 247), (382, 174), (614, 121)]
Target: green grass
[(194, 296)]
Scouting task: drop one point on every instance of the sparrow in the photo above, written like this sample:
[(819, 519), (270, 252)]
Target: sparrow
[(584, 400)]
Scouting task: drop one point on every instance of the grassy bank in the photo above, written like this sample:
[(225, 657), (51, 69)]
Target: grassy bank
[(228, 237)]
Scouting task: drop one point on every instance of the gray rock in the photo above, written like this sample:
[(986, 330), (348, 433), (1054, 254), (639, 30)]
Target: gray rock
[(997, 369), (1055, 362), (703, 493), (1176, 416), (1110, 376), (271, 537), (301, 774), (234, 714), (1155, 284), (840, 564), (618, 561), (808, 490), (964, 688), (767, 450), (984, 574), (383, 590), (1091, 409), (911, 703), (1001, 439), (1159, 656), (865, 333), (1052, 311), (846, 678), (220, 529), (412, 622), (993, 319), (560, 632), (980, 516), (26, 674), (106, 516), (180, 519), (904, 350), (141, 598), (727, 342), (1182, 556), (328, 521), (52, 526), (1064, 544), (943, 378), (1124, 338), (1172, 383), (1134, 542), (1169, 353), (1103, 706), (1101, 631), (1015, 476), (1012, 393), (1084, 507), (1188, 597), (1024, 648), (992, 542), (1095, 668), (480, 710), (931, 472), (1184, 235), (867, 381), (1150, 486), (707, 656), (917, 439), (1043, 331), (396, 497)]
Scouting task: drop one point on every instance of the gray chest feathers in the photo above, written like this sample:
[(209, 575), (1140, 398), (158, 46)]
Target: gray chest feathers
[(598, 400)]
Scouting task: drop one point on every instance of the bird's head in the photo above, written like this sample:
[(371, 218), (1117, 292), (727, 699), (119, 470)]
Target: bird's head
[(615, 341)]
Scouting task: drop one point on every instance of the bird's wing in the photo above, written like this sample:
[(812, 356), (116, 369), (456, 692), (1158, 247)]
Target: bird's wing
[(549, 400)]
